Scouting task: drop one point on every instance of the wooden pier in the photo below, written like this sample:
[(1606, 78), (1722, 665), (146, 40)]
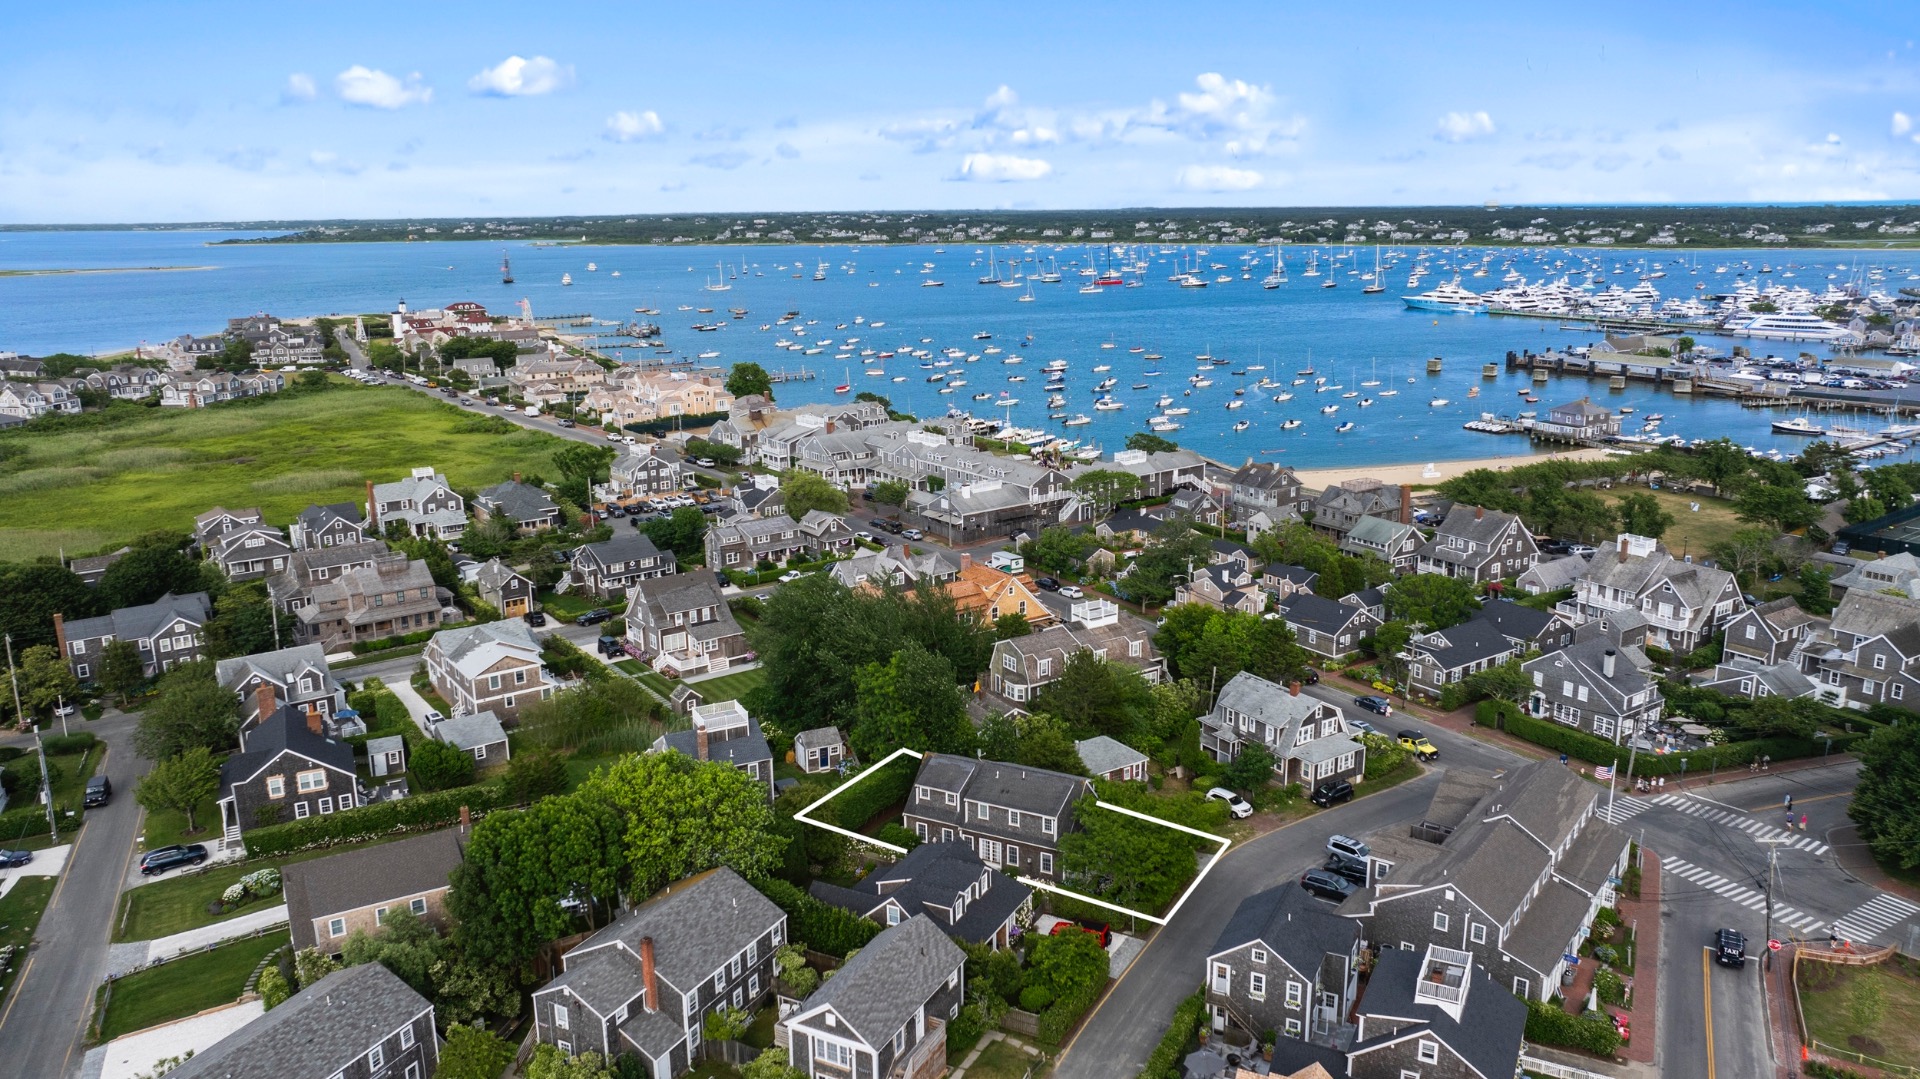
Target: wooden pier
[(784, 375)]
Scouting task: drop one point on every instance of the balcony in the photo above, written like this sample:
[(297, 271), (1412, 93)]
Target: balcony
[(927, 1059), (1443, 977)]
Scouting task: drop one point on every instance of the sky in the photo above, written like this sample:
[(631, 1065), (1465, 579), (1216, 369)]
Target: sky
[(133, 112)]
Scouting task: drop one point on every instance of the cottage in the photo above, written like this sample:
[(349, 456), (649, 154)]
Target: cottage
[(249, 552), (501, 588), (1341, 506), (479, 735), (1738, 676), (1110, 759), (946, 882), (609, 568), (1307, 737), (392, 595), (331, 898), (1159, 472), (1870, 653), (1284, 963), (167, 632), (1326, 627), (490, 666), (1770, 633), (423, 504), (1392, 542), (1280, 580), (287, 769), (298, 676), (387, 756), (644, 471), (884, 1015), (988, 595), (359, 1023), (1527, 628), (751, 541), (684, 625), (1008, 814), (334, 525), (525, 508), (1021, 666), (821, 749), (1449, 656), (1262, 487), (1437, 1014), (724, 732), (897, 565), (1226, 586), (645, 984), (1580, 421), (1683, 603), (1598, 684), (1479, 545), (1552, 575)]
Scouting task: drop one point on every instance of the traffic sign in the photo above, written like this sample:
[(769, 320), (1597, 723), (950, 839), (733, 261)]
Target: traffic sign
[(1773, 945)]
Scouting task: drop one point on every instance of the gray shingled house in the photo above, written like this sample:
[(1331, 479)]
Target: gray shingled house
[(1009, 814), (884, 1014), (944, 881), (330, 898), (359, 1023), (1284, 962)]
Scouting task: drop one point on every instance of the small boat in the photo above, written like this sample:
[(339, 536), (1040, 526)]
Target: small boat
[(1329, 410), (932, 284), (1242, 425), (1235, 403), (1078, 420), (1343, 428), (566, 279), (1279, 398), (1366, 402), (1289, 425), (1438, 402)]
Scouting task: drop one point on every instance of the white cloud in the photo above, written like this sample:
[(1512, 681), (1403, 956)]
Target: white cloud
[(517, 76), (787, 150), (1462, 126), (1218, 178), (1003, 168), (299, 87), (328, 161), (359, 85), (634, 126), (1902, 123), (723, 159), (1002, 98)]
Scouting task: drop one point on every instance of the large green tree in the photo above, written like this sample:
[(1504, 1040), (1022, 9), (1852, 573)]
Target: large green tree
[(520, 866), (405, 944), (1124, 860), (1745, 551), (749, 378), (31, 594), (1886, 799), (581, 465), (434, 765), (152, 569), (1432, 601), (1174, 554), (1251, 770), (1151, 443), (243, 623), (911, 700), (803, 491), (179, 784), (1787, 509), (682, 532), (472, 1053), (1096, 696), (1058, 549), (45, 679), (191, 709), (121, 669), (1106, 487), (1643, 515)]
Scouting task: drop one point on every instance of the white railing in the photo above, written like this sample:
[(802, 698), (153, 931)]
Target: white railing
[(1555, 1070)]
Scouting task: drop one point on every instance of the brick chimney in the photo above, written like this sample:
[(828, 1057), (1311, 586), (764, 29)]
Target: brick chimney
[(1621, 544), (264, 702), (651, 1001), (466, 819), (700, 741), (373, 511), (516, 477), (1406, 503), (1293, 689), (1479, 512), (60, 632), (966, 561)]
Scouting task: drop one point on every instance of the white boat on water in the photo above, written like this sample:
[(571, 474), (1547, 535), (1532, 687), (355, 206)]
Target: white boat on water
[(1449, 297), (1799, 425), (1788, 326), (1438, 402)]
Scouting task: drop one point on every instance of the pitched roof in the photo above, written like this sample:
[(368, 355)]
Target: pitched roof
[(277, 666), (365, 876), (1488, 1033), (681, 591), (283, 732), (482, 728), (139, 623), (316, 1033), (880, 989), (1381, 532), (472, 649), (1102, 754), (1318, 612), (518, 501), (1554, 574), (1029, 790), (496, 575), (1469, 642), (697, 924), (1293, 924), (933, 875), (1264, 476), (628, 547)]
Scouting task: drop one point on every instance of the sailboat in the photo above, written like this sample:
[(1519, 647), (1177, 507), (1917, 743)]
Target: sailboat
[(719, 283), (1028, 298), (1373, 379), (1279, 275), (506, 271), (1377, 282)]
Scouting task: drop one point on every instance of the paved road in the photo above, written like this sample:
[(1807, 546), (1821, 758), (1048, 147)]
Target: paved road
[(44, 1020), (1129, 1023), (1713, 1022)]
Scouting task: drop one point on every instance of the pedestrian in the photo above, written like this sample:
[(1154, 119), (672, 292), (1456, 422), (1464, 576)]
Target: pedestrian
[(1789, 822), (1766, 761), (1663, 783), (1789, 801), (1803, 822)]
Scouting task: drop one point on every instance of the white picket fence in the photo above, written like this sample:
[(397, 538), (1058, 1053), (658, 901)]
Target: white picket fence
[(1555, 1070)]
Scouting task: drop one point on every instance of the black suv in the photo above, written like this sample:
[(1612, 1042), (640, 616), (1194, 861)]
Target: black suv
[(1330, 792), (536, 618), (1730, 948), (1325, 885), (594, 617), (1046, 584), (611, 646), (99, 792), (1352, 869), (165, 858)]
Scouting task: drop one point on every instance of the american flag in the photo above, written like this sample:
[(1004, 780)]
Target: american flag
[(1603, 771)]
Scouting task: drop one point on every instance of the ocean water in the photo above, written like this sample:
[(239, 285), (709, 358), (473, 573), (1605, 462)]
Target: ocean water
[(1345, 336)]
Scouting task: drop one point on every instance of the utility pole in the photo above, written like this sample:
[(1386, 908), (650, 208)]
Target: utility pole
[(19, 713), (1773, 864), (46, 785), (1610, 770)]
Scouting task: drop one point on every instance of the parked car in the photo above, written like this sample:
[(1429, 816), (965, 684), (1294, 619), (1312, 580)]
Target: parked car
[(1236, 805), (613, 436), (433, 716), (1353, 869), (1376, 705), (1324, 885), (864, 536), (1416, 743), (1349, 846), (1102, 932), (1046, 584), (564, 422), (913, 534), (790, 576), (610, 646), (1730, 948), (1360, 726), (65, 710), (1311, 677), (536, 618), (593, 617), (12, 859), (165, 858), (1072, 591), (1330, 792), (99, 792), (703, 462)]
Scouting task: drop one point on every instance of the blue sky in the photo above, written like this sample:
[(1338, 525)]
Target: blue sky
[(198, 111)]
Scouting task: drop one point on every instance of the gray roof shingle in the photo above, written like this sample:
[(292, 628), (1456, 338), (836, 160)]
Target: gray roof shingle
[(1490, 1028), (358, 878), (880, 989), (317, 1032)]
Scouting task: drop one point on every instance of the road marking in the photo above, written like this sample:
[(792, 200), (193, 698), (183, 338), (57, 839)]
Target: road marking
[(1797, 801), (1706, 996), (1874, 917), (1739, 821), (1623, 809)]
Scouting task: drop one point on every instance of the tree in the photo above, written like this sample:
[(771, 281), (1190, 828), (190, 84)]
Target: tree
[(1095, 696), (719, 453), (1861, 509), (581, 465), (805, 491), (1886, 800), (121, 669), (1151, 443), (889, 492), (433, 765), (1251, 770), (30, 595), (1010, 625), (274, 987), (682, 532), (1816, 597), (772, 1063), (1432, 601), (1067, 964), (749, 378), (1778, 717), (1866, 1003), (681, 816), (1106, 487), (148, 572), (535, 774), (472, 1053), (1642, 514), (1504, 682), (1745, 551), (466, 992), (404, 944), (312, 965), (1683, 346), (243, 623), (45, 679), (550, 1063), (1389, 643), (519, 866), (179, 784), (191, 710), (724, 1024), (1174, 553), (1785, 508), (1123, 860), (911, 700), (1058, 549)]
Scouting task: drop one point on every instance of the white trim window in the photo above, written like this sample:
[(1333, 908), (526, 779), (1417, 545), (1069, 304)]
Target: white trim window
[(1429, 1051), (1440, 920), (1257, 986), (832, 1054), (1478, 932)]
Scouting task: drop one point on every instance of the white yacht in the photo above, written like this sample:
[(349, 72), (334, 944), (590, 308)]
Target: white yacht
[(1447, 297), (1788, 326)]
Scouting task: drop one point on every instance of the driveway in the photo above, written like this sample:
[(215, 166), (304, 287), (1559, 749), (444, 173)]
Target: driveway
[(44, 1019), (1127, 1025)]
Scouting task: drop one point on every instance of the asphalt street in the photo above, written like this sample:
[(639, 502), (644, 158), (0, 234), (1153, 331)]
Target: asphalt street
[(44, 1020)]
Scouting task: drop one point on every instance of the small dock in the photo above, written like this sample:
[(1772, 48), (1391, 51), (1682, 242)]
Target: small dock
[(800, 375)]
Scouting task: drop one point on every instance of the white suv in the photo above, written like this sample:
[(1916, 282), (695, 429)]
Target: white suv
[(1236, 805)]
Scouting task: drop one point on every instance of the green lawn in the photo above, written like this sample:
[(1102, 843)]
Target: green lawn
[(180, 903), (730, 687), (88, 490), (1693, 532), (1002, 1061), (167, 828), (1826, 997), (185, 986), (567, 606), (20, 911)]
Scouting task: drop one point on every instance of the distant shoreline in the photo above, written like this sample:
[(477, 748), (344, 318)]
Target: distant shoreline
[(1413, 474), (103, 269)]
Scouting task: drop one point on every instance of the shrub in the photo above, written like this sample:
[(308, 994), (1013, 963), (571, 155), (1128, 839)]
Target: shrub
[(439, 766), (1579, 745), (1384, 755), (1035, 998), (1548, 1024), (853, 808), (273, 987), (898, 835), (1611, 988), (824, 928), (966, 1027), (60, 744), (421, 811), (1164, 1061)]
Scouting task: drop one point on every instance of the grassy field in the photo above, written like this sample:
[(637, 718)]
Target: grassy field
[(185, 986), (180, 903), (1693, 532), (730, 687), (89, 490), (166, 828), (1002, 1061), (20, 911), (1826, 996)]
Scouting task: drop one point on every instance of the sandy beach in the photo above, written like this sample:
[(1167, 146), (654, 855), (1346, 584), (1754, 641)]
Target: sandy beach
[(1434, 472)]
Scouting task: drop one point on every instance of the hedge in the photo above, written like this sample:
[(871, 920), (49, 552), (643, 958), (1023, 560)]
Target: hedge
[(1580, 745), (821, 927), (1164, 1061), (854, 806), (1549, 1024), (413, 813), (1058, 1020), (361, 648), (677, 423), (59, 744)]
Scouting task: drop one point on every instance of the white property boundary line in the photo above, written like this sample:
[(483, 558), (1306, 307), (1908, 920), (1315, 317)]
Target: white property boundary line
[(805, 818)]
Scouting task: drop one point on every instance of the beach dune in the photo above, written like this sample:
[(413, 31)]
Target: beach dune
[(1435, 471)]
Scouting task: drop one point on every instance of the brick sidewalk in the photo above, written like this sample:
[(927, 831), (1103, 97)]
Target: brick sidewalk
[(1782, 1025), (1644, 915)]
